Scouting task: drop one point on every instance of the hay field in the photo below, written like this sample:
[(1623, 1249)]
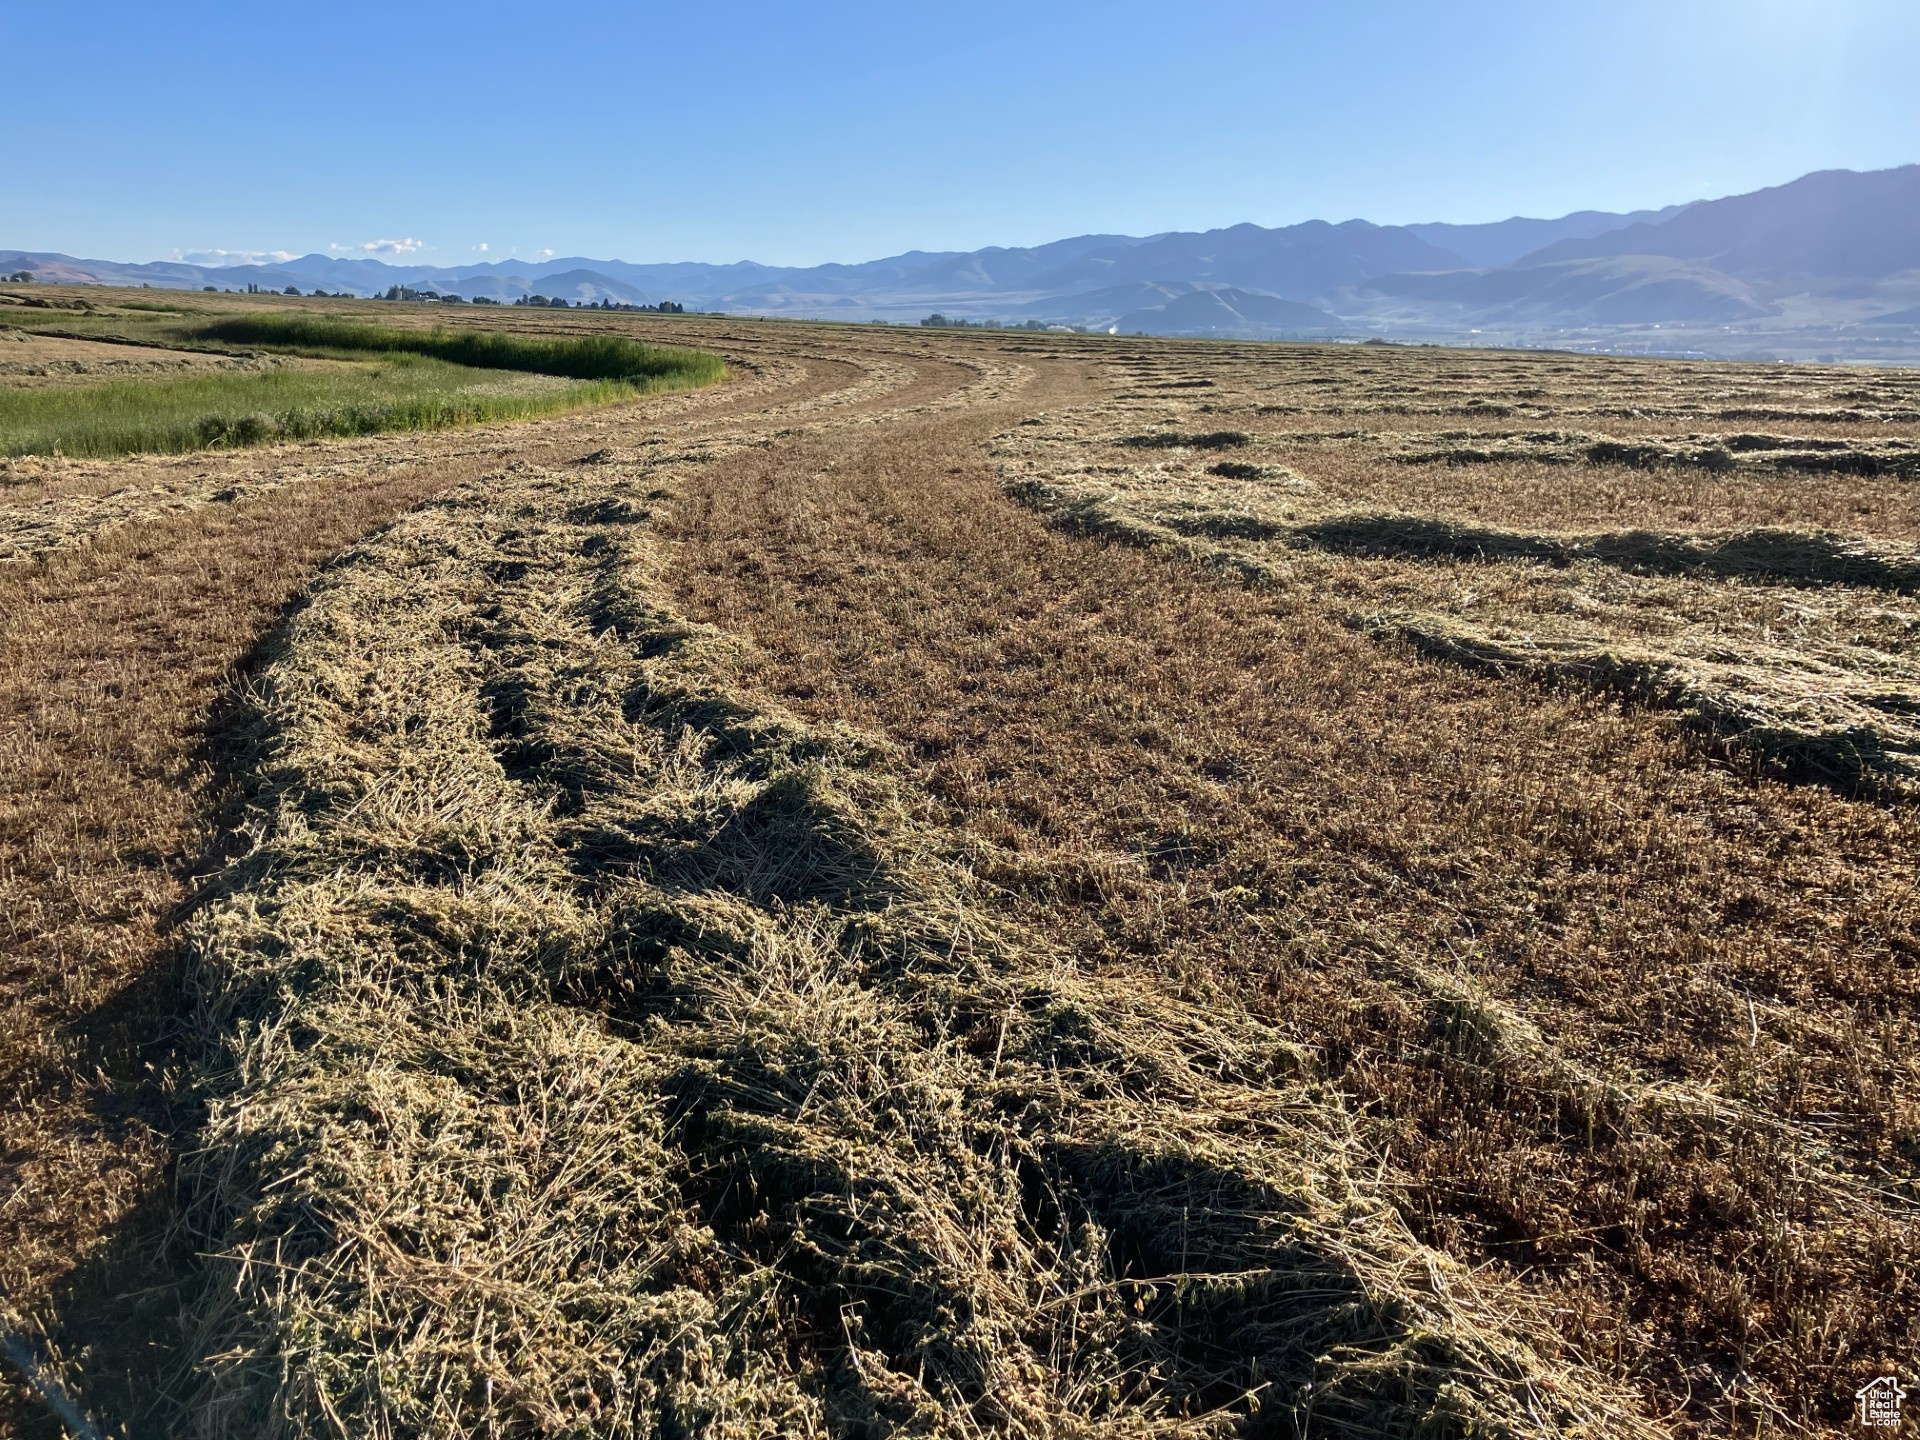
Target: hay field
[(317, 378), (974, 884), (1759, 582), (29, 360)]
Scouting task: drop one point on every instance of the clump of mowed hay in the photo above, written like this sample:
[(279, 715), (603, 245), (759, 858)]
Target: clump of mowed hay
[(1780, 646), (596, 1050), (1785, 710), (1771, 555), (1899, 458), (1178, 440)]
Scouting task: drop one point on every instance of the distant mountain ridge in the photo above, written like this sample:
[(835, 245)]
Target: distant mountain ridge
[(1504, 241), (1841, 247), (1230, 314), (1832, 222), (1614, 290), (1185, 308)]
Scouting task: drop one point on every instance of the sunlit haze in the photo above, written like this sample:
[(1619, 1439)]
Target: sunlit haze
[(799, 134)]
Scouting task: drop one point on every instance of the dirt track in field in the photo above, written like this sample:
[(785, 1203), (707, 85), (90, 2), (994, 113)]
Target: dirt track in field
[(1623, 1018)]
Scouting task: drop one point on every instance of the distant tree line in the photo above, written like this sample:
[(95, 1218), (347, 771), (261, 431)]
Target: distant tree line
[(407, 292), (952, 322), (665, 307)]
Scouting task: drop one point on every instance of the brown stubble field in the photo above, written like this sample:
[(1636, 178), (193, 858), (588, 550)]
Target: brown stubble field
[(1614, 1007)]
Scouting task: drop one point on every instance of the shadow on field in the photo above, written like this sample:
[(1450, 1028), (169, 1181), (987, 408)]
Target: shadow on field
[(1211, 1294), (1771, 556), (117, 1332)]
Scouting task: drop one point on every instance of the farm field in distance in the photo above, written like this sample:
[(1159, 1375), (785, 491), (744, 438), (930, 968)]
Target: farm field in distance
[(959, 882), (315, 378)]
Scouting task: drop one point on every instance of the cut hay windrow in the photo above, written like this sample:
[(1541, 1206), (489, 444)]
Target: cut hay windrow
[(1793, 648), (1797, 717), (1716, 453), (1806, 559), (597, 1050)]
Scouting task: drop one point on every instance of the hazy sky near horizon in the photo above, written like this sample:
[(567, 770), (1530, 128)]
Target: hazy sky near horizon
[(800, 133)]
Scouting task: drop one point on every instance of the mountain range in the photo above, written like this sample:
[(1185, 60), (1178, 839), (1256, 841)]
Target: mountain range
[(1830, 252)]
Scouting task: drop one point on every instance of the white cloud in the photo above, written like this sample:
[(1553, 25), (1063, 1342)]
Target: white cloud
[(547, 251), (382, 247), (233, 257), (481, 246)]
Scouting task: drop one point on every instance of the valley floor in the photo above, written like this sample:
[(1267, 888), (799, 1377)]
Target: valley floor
[(919, 831)]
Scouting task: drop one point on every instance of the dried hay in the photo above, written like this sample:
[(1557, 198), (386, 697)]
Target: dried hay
[(1803, 719), (599, 1051), (1176, 440), (1772, 554), (1899, 458), (1771, 641)]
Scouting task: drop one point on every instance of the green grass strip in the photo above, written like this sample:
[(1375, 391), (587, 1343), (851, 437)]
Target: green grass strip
[(398, 380), (231, 410), (578, 357)]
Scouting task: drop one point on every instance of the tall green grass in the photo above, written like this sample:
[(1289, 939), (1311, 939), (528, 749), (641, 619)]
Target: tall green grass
[(579, 357), (227, 410), (399, 380)]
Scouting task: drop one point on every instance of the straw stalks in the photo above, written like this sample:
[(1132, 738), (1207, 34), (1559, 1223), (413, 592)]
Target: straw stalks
[(597, 1049)]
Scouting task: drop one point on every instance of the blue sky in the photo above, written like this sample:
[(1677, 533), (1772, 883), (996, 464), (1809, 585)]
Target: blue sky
[(798, 133)]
